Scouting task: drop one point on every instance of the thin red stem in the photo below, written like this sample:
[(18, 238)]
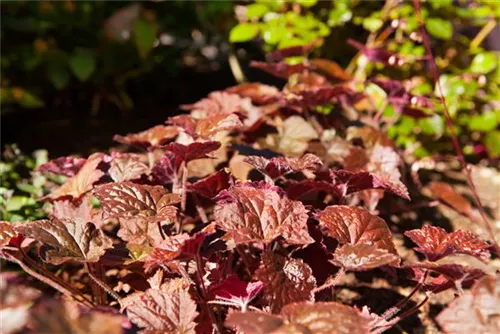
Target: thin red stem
[(449, 122)]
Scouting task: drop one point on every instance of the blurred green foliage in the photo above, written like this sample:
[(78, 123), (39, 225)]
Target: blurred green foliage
[(21, 185), (470, 74), (52, 49)]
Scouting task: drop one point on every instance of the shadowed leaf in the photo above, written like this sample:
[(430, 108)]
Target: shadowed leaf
[(285, 280)]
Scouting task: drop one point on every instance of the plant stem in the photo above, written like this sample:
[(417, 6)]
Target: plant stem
[(54, 283), (332, 282), (199, 208), (482, 34), (50, 276), (199, 274), (151, 159), (449, 124), (105, 287)]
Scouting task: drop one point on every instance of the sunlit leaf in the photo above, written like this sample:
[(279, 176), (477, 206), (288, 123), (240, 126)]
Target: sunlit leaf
[(249, 213), (169, 309), (68, 239)]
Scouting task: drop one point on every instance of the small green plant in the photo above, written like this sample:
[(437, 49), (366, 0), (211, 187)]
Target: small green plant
[(470, 74), (21, 185)]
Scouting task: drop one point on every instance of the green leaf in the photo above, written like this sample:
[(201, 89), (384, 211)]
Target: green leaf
[(144, 36), (82, 63), (432, 125), (58, 75), (485, 122), (439, 28), (492, 143), (16, 203), (273, 35), (340, 14), (243, 32), (29, 100), (377, 94), (484, 62), (307, 3), (372, 24), (256, 10), (289, 42)]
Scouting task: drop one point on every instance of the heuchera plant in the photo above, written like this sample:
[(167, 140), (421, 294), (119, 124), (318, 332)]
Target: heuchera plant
[(249, 214)]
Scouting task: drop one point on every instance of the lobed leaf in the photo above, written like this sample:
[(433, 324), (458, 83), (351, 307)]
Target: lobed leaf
[(363, 256), (435, 243), (476, 311), (76, 186), (353, 225), (286, 280), (170, 309), (249, 214), (127, 199), (150, 138), (67, 166), (126, 168), (69, 240), (193, 151)]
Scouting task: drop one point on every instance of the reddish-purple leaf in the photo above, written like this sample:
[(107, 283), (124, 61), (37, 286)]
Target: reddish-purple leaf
[(448, 195), (350, 182), (165, 170), (402, 100), (279, 166), (294, 51), (237, 292), (302, 189), (69, 239), (130, 200), (254, 322), (193, 151), (150, 138), (378, 55), (216, 103), (248, 214), (435, 243), (353, 225), (286, 280), (281, 69), (170, 309), (67, 166), (363, 256), (257, 92), (215, 123), (126, 167), (167, 251), (82, 182), (476, 311), (330, 69), (320, 96), (317, 318), (322, 318), (212, 185)]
